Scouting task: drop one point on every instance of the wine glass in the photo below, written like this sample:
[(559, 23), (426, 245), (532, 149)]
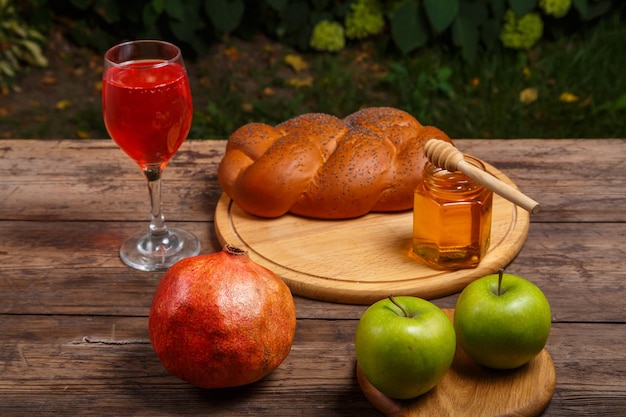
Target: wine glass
[(147, 110)]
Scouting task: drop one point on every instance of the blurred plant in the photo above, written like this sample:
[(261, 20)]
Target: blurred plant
[(328, 36), (556, 8), (19, 44), (475, 24), (521, 32), (468, 100), (612, 106), (528, 95), (408, 25), (416, 92), (568, 97), (364, 19)]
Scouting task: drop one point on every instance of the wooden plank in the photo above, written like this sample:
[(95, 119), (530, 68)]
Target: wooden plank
[(106, 366), (72, 291), (74, 318), (93, 180), (71, 365), (574, 180), (80, 259), (79, 244), (96, 161), (112, 202)]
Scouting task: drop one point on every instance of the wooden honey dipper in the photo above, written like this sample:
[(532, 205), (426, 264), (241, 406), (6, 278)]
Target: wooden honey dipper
[(445, 155)]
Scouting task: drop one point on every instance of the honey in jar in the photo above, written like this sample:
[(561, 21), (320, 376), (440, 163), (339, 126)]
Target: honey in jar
[(451, 218)]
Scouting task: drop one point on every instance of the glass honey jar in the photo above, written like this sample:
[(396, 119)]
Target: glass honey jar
[(451, 218)]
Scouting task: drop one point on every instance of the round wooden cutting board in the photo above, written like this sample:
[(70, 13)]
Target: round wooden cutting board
[(362, 260), (474, 391)]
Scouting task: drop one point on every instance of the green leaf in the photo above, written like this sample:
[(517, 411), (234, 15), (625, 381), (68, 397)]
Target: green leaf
[(319, 15), (36, 55), (158, 6), (522, 7), (109, 10), (498, 8), (620, 103), (7, 69), (186, 29), (465, 34), (442, 84), (192, 20), (341, 10), (34, 35), (490, 32), (81, 4), (320, 4), (441, 13), (407, 27), (583, 8), (79, 32), (598, 8), (296, 16), (11, 56), (149, 16), (99, 39), (225, 14), (612, 106), (476, 11), (175, 10), (443, 73), (278, 5), (18, 30), (589, 11), (181, 31)]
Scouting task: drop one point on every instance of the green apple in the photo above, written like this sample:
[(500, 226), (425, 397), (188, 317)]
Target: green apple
[(404, 346), (502, 321)]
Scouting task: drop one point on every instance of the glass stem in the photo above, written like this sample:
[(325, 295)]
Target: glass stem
[(157, 219)]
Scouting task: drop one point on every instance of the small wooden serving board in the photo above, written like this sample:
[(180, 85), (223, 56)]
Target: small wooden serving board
[(471, 390), (362, 260)]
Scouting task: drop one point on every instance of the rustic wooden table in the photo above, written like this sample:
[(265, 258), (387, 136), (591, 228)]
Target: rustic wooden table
[(73, 318)]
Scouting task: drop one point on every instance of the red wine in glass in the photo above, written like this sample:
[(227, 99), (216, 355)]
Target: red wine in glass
[(147, 110)]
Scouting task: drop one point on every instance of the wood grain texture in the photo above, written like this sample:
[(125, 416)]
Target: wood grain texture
[(576, 266), (86, 365), (574, 180), (74, 319), (54, 179)]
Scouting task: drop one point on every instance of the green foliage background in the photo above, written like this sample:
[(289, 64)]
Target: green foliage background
[(441, 60), (470, 25)]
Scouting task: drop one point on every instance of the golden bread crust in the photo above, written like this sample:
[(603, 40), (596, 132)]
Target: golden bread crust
[(320, 166)]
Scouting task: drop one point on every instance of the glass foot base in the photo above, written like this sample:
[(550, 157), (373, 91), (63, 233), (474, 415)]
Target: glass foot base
[(157, 252)]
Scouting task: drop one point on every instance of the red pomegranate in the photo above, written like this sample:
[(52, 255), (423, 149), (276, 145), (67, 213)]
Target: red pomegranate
[(221, 320)]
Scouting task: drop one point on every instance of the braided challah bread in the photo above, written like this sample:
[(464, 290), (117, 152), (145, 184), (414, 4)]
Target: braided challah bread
[(317, 165)]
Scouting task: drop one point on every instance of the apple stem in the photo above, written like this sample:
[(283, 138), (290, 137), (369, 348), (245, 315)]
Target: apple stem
[(500, 275), (393, 300)]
